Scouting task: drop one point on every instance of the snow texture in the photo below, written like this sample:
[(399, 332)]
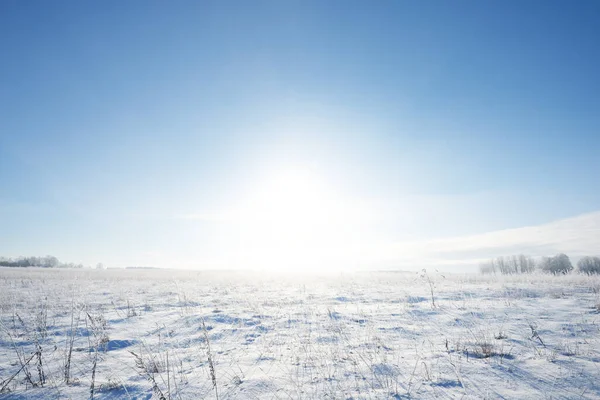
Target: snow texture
[(239, 335)]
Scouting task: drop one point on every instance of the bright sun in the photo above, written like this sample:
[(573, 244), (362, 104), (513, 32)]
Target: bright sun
[(292, 217)]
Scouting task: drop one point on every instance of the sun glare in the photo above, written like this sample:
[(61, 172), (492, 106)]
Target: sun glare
[(292, 218)]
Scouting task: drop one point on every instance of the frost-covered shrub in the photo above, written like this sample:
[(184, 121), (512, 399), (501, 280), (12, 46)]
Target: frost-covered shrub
[(508, 265), (589, 265), (559, 264)]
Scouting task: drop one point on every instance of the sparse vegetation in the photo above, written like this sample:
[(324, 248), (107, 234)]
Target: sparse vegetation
[(380, 335)]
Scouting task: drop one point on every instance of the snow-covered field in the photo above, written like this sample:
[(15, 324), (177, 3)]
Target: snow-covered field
[(193, 335)]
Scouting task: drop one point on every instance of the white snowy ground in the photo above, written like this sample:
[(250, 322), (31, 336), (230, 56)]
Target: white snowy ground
[(350, 336)]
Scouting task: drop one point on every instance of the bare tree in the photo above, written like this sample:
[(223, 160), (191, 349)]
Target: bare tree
[(516, 264)]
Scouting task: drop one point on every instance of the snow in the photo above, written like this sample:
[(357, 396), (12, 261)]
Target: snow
[(357, 335)]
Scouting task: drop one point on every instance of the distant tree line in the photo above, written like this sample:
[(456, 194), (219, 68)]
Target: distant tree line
[(522, 264), (41, 262), (519, 264)]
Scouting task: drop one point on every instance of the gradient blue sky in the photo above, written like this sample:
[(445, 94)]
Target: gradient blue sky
[(126, 125)]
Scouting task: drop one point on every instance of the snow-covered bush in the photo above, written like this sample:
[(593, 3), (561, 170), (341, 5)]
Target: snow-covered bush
[(559, 264), (589, 265)]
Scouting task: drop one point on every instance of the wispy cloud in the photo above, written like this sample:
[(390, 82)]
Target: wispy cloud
[(576, 236)]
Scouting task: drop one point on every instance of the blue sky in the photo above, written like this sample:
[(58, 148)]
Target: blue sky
[(129, 129)]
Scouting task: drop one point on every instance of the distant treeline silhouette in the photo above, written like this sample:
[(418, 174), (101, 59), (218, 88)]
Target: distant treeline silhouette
[(522, 264), (41, 262)]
